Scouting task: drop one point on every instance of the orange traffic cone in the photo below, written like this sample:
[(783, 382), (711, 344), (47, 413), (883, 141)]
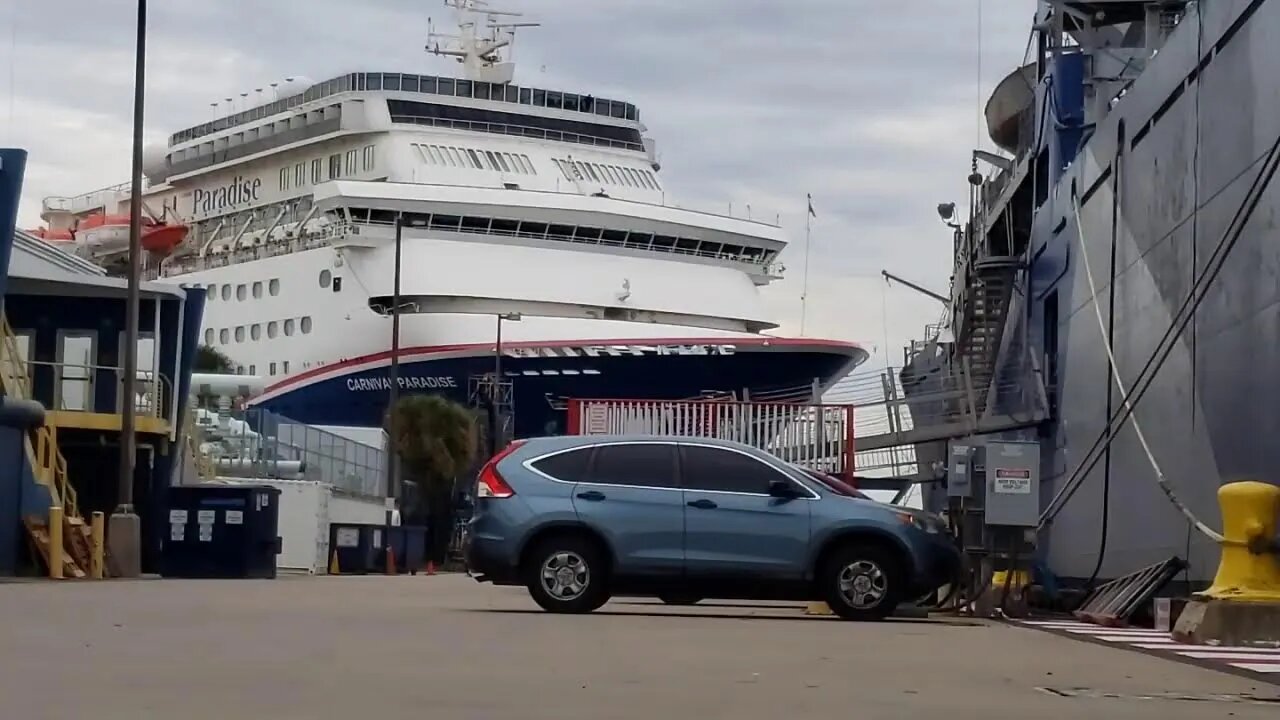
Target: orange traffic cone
[(333, 564), (431, 567), (391, 561)]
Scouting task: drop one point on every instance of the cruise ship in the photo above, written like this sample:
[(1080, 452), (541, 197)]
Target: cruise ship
[(538, 242)]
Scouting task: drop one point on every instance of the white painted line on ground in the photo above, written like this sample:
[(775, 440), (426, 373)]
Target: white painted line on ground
[(1230, 655), (1268, 668), (1132, 640), (1206, 648), (1109, 631)]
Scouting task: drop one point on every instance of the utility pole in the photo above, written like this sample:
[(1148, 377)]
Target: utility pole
[(393, 391), (125, 533)]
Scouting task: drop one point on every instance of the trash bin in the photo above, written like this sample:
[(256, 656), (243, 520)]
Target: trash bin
[(410, 545), (357, 548), (221, 531)]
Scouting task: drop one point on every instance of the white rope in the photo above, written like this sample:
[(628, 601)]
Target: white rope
[(1161, 479)]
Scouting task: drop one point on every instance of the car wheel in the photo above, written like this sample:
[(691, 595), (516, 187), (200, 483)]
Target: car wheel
[(679, 599), (862, 582), (567, 574)]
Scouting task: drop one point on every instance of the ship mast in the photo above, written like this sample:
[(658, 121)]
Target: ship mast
[(478, 48)]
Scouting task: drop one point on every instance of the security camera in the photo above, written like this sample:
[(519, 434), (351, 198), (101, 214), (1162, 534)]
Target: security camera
[(946, 211)]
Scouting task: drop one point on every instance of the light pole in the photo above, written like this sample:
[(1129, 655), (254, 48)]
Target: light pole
[(125, 535), (496, 394), (393, 390)]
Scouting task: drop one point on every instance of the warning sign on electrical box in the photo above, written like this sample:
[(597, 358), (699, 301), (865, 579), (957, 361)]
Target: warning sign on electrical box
[(1012, 481)]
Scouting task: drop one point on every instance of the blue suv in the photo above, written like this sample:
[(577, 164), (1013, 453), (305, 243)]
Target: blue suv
[(579, 519)]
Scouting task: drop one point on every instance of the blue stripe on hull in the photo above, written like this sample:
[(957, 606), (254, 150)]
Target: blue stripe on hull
[(359, 398)]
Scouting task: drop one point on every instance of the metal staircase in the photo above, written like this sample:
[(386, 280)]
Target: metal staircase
[(981, 326), (49, 469)]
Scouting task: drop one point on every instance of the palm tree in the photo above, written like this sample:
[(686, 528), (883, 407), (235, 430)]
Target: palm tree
[(436, 441)]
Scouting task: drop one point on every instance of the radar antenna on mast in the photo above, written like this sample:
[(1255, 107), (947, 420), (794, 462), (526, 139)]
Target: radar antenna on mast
[(478, 48)]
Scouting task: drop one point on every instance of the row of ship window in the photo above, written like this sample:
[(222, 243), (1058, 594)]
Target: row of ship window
[(253, 369), (476, 159), (291, 326), (272, 286), (579, 171), (338, 165)]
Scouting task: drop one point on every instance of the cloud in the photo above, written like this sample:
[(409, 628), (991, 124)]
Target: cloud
[(870, 106)]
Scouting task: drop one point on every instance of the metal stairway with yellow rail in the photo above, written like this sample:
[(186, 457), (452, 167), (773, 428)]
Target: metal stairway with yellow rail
[(49, 469)]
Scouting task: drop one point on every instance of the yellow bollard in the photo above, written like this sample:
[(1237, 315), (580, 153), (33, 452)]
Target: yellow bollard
[(55, 543), (1250, 512), (98, 531)]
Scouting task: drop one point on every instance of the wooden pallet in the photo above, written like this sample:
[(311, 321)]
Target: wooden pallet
[(38, 531)]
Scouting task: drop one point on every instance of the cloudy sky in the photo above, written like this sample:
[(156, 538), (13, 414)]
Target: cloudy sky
[(871, 106)]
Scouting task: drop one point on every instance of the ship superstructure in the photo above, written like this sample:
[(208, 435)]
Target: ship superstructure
[(513, 202)]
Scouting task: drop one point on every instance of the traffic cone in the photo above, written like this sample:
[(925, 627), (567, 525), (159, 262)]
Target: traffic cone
[(431, 567), (333, 564), (391, 561)]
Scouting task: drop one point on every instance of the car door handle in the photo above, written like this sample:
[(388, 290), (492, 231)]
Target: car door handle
[(702, 504), (591, 495)]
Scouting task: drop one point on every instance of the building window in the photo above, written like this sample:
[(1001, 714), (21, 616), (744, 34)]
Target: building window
[(284, 178), (242, 292), (224, 336), (226, 292), (352, 157), (255, 331), (271, 369), (273, 329), (326, 277), (300, 174), (257, 289), (368, 158), (288, 326), (306, 325), (208, 336), (316, 167), (273, 287), (335, 165), (240, 334)]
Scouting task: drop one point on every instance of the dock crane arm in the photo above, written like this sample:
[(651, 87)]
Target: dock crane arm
[(924, 291)]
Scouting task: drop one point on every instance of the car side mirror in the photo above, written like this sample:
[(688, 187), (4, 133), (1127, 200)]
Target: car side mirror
[(782, 489)]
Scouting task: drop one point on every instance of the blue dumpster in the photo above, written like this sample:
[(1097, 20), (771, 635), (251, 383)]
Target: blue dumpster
[(357, 547), (221, 531)]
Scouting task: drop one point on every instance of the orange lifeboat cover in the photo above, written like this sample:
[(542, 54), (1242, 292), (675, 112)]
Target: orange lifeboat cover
[(99, 219), (163, 239)]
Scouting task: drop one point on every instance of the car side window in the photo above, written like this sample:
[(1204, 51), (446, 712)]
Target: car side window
[(569, 466), (711, 468), (641, 464)]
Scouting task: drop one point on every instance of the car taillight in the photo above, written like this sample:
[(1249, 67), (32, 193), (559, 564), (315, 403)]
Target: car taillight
[(491, 484)]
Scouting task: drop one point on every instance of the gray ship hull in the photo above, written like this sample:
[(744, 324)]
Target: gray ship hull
[(1160, 180)]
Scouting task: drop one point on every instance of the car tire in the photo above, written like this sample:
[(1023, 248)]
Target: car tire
[(672, 599), (567, 574), (862, 582)]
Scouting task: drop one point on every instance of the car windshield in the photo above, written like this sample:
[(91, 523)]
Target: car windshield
[(833, 484)]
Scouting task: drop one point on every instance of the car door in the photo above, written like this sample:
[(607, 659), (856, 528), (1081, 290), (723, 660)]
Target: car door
[(733, 527), (631, 496)]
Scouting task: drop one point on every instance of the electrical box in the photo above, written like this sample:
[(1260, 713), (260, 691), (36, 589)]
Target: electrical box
[(1012, 483), (960, 470)]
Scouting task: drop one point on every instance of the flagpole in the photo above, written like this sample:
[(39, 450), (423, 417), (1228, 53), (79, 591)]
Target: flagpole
[(808, 231)]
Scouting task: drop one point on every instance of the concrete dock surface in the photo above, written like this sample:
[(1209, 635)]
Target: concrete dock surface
[(444, 646)]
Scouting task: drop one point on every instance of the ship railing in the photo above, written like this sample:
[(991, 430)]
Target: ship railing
[(519, 131), (91, 200)]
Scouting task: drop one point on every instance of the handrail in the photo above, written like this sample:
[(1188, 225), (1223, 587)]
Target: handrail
[(151, 388)]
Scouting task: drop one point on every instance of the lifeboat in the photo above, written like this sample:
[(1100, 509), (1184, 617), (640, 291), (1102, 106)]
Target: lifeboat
[(104, 234), (109, 234), (58, 238)]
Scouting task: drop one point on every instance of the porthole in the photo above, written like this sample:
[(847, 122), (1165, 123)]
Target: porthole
[(255, 332), (211, 291), (273, 287), (271, 369), (306, 325), (240, 334), (226, 292), (257, 289), (273, 329), (224, 336), (326, 277), (288, 326), (208, 336), (242, 292)]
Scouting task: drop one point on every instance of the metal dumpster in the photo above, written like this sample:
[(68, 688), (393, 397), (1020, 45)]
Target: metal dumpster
[(221, 531)]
